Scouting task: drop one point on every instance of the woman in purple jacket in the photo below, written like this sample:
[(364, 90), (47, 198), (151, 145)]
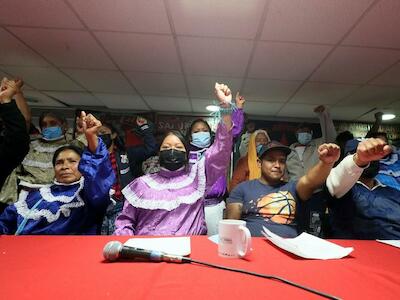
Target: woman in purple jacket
[(171, 202)]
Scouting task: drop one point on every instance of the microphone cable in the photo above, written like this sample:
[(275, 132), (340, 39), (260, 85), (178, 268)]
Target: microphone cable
[(277, 278), (114, 251)]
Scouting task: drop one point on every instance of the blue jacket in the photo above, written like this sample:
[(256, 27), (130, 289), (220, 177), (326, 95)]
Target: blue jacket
[(366, 214)]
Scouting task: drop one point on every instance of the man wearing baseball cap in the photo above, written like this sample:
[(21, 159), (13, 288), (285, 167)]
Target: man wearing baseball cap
[(269, 200), (363, 207)]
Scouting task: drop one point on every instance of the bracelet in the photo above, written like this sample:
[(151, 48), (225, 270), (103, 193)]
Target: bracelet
[(224, 111)]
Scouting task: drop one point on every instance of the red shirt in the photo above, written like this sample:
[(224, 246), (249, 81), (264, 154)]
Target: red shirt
[(117, 186)]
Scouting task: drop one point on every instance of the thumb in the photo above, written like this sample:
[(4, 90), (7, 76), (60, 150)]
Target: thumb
[(323, 151), (3, 83), (84, 126), (387, 149)]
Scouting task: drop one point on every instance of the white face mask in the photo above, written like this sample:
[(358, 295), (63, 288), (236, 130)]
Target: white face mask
[(304, 137)]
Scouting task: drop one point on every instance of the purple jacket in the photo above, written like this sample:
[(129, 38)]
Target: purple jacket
[(217, 188), (171, 202)]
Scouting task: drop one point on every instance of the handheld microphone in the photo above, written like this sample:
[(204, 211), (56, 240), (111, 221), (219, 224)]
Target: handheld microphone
[(115, 250)]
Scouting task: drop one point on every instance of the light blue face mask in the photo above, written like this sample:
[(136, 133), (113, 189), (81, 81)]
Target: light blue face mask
[(258, 148), (304, 137), (52, 133), (201, 139)]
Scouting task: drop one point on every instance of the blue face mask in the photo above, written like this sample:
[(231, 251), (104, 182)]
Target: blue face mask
[(304, 137), (258, 148), (52, 133), (201, 139)]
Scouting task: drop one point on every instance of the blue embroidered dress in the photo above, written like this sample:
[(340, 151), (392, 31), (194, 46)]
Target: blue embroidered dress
[(389, 170), (75, 208)]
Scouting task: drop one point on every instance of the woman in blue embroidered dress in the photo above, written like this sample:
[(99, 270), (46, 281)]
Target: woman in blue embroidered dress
[(76, 202), (171, 202)]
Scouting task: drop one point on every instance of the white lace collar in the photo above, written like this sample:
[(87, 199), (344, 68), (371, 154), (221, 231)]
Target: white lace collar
[(137, 200), (159, 186), (80, 181), (68, 203)]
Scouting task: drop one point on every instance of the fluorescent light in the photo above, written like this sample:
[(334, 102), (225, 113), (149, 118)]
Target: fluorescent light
[(212, 108), (386, 117)]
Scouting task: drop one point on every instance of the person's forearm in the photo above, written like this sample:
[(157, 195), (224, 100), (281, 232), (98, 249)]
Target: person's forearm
[(327, 127), (93, 142), (374, 128), (150, 144), (238, 122), (227, 120), (314, 179), (317, 175), (343, 177), (218, 155), (12, 119), (15, 143), (24, 108)]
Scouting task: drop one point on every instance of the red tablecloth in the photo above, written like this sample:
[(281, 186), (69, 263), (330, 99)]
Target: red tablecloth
[(72, 267)]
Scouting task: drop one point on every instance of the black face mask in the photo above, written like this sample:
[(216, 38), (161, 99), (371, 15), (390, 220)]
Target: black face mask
[(106, 138), (372, 170), (172, 159)]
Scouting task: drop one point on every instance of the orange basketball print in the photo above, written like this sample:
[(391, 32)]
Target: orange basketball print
[(279, 207)]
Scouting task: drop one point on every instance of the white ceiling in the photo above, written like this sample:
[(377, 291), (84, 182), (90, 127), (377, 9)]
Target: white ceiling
[(285, 56)]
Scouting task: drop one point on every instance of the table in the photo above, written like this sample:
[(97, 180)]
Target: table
[(72, 267)]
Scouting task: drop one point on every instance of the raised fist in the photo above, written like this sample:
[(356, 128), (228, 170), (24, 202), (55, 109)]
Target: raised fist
[(140, 121), (371, 149), (239, 100), (223, 94), (7, 90), (88, 124), (319, 109), (378, 116), (329, 153)]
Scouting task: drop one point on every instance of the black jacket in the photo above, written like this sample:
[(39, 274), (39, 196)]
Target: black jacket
[(129, 164), (14, 145)]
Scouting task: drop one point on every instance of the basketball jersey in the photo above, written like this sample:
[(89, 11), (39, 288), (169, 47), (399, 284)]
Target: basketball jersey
[(271, 206)]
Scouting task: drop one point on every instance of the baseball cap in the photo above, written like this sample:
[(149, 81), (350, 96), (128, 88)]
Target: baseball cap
[(273, 145)]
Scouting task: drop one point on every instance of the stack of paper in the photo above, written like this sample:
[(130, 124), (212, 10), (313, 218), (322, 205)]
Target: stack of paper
[(395, 243), (170, 245), (308, 246)]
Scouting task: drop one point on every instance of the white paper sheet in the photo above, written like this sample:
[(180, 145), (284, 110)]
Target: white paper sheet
[(395, 243), (170, 245), (214, 238), (308, 246)]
